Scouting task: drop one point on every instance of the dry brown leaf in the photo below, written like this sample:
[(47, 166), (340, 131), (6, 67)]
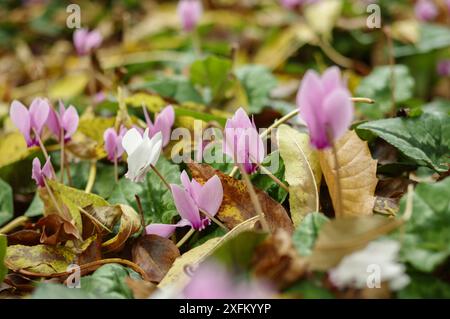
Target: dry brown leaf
[(277, 260), (237, 205), (155, 255), (357, 171), (340, 237)]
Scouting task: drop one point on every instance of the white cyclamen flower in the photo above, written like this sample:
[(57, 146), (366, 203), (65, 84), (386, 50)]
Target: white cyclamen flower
[(142, 153), (354, 270)]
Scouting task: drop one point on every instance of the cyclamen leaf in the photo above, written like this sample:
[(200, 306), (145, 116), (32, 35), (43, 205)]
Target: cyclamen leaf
[(258, 82), (307, 232), (425, 139), (6, 202), (377, 86), (426, 238)]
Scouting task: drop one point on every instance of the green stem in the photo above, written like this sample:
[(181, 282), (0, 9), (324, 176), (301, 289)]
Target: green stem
[(92, 176), (186, 237)]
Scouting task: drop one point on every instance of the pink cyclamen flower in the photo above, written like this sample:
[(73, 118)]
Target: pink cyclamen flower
[(163, 123), (190, 200), (86, 41), (242, 141), (325, 105), (425, 10), (190, 12), (447, 2), (443, 68), (212, 281), (63, 123), (113, 143), (30, 122), (40, 174)]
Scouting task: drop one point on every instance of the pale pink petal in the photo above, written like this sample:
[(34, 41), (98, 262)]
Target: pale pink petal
[(332, 79), (47, 170), (79, 40), (186, 206), (165, 230), (39, 111), (70, 121), (211, 195), (21, 118), (339, 110), (93, 40), (111, 143), (36, 172), (185, 181), (54, 123), (189, 12)]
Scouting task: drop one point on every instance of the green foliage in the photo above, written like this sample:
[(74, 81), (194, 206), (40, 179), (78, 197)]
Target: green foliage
[(377, 86), (267, 184), (107, 282), (3, 269), (432, 37), (306, 234), (6, 202), (177, 88), (426, 235), (214, 73), (425, 139), (258, 82), (425, 286)]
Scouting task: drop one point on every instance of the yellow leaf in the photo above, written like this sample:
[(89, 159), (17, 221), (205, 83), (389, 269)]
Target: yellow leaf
[(276, 52), (177, 274), (69, 86), (302, 172), (406, 31), (340, 237), (13, 148), (154, 103), (40, 258), (322, 16), (357, 170)]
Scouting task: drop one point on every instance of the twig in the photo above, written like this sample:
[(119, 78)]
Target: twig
[(17, 222)]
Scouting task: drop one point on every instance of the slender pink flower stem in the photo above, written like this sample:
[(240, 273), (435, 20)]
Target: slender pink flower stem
[(52, 197), (62, 155), (254, 199), (186, 237), (339, 206), (116, 168), (215, 220)]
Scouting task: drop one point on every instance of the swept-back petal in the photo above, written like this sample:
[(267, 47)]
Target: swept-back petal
[(211, 196), (39, 110), (21, 119), (339, 110), (186, 206), (36, 172), (70, 121)]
